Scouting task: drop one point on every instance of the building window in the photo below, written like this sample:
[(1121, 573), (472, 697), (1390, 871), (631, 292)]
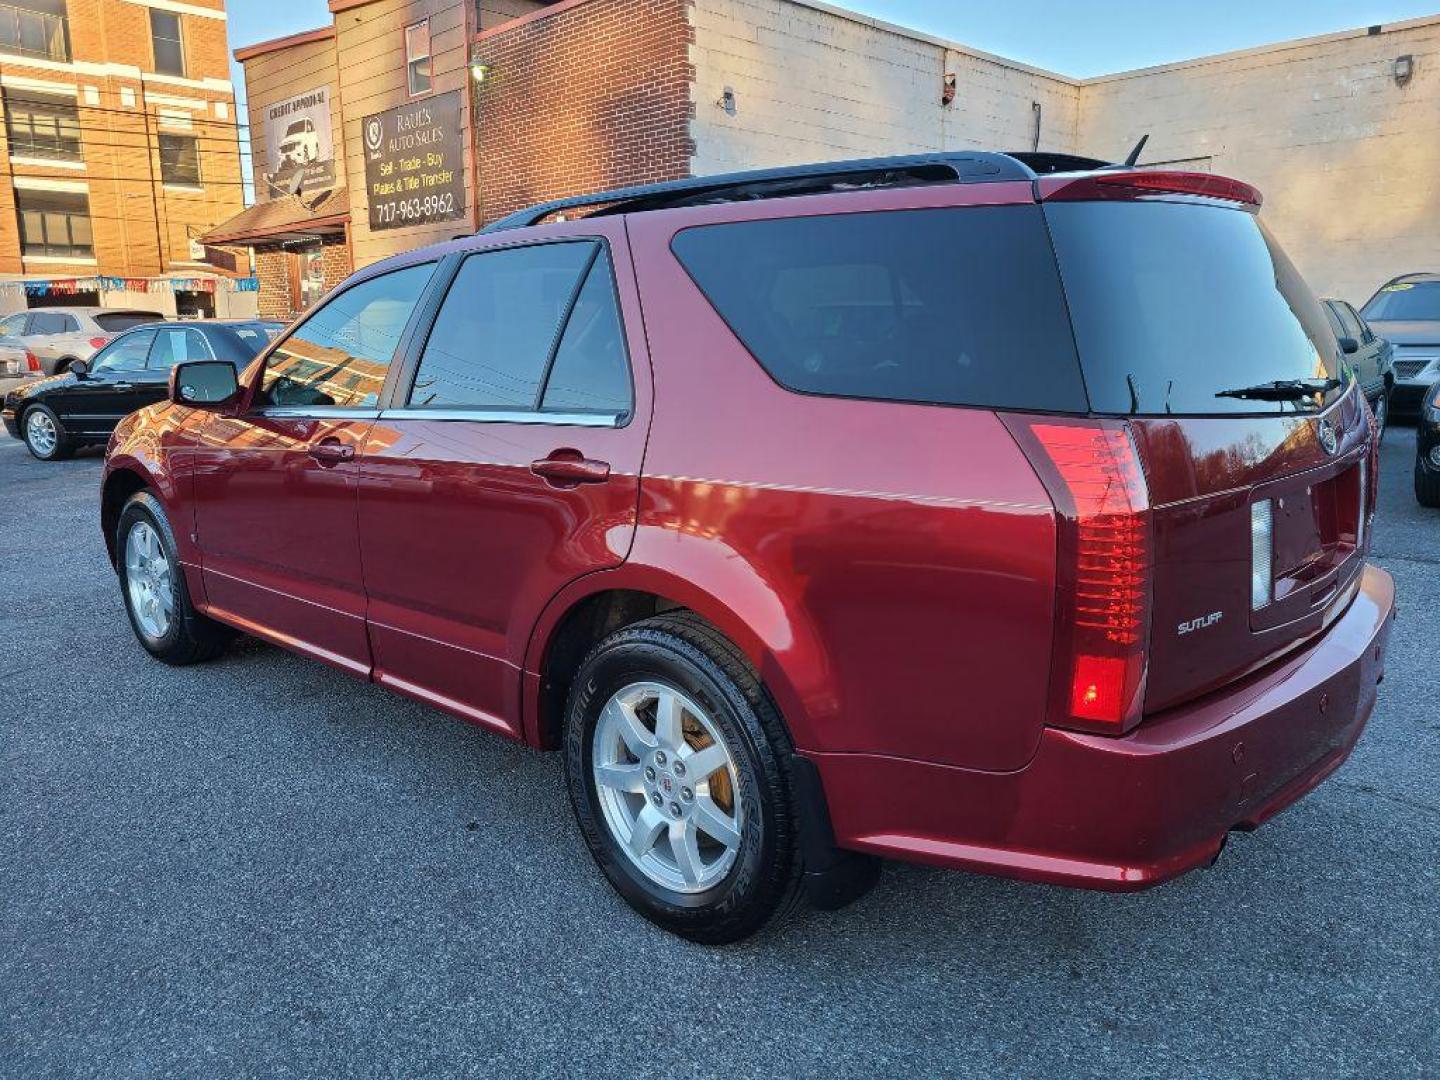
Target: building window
[(54, 223), (35, 28), (42, 126), (179, 159), (165, 38), (417, 57)]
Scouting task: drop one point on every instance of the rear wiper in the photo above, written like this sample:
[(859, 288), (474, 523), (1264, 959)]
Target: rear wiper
[(1284, 389)]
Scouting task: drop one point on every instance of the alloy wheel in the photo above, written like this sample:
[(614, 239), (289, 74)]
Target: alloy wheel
[(148, 581), (668, 787), (40, 433)]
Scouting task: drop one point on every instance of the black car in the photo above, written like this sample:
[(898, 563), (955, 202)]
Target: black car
[(1427, 450), (54, 416)]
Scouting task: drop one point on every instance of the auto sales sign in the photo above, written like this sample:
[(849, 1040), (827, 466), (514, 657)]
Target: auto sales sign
[(413, 163)]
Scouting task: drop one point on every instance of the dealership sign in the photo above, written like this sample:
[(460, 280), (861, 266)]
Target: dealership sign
[(299, 150), (413, 165)]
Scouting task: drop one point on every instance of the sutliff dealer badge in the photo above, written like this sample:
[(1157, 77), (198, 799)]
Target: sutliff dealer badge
[(413, 163)]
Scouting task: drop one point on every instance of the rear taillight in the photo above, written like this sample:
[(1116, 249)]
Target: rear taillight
[(1262, 554), (1096, 482), (32, 362), (99, 342)]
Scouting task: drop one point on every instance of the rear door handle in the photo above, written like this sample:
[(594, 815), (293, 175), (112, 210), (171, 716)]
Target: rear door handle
[(567, 468), (331, 451), (122, 386)]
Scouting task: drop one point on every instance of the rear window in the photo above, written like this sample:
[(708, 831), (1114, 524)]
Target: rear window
[(1405, 301), (1174, 303), (954, 306), (115, 321)]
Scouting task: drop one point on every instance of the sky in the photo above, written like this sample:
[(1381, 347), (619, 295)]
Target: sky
[(1076, 38)]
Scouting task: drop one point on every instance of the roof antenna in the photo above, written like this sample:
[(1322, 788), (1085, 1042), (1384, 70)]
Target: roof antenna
[(1134, 158)]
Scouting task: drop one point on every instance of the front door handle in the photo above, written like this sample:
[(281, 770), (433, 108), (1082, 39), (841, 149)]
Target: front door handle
[(569, 468), (331, 451), (122, 386)]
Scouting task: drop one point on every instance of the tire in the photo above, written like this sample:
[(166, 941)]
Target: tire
[(745, 885), (45, 437), (63, 364), (180, 635), (1427, 484)]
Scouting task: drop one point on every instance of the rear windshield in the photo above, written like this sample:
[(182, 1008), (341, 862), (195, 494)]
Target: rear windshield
[(116, 321), (954, 306), (1405, 301), (1174, 303)]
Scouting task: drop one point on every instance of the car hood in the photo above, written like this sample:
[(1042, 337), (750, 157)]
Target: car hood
[(1408, 333)]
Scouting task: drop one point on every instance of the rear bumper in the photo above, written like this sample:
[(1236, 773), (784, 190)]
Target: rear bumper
[(1125, 814)]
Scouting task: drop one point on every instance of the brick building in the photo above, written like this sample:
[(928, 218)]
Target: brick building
[(577, 95), (119, 148)]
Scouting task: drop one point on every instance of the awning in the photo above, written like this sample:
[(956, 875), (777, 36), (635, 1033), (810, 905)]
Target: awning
[(293, 217)]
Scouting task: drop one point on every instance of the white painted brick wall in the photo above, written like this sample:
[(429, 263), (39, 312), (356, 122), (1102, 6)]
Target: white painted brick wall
[(813, 84), (1347, 160)]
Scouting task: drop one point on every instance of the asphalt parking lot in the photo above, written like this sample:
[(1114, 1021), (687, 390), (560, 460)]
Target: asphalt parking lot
[(260, 867)]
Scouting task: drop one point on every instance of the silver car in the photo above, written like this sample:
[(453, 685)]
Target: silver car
[(1406, 311), (58, 336)]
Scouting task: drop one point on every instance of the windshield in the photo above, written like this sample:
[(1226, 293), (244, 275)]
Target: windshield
[(1174, 304), (1405, 301)]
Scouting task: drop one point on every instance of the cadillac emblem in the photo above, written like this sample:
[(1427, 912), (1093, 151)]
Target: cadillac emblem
[(1325, 432)]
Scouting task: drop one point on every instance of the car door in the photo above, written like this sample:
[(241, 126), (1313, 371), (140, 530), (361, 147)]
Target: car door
[(273, 488), (44, 336), (507, 466), (93, 403)]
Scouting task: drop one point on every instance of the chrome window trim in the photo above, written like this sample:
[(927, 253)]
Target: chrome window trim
[(505, 416), (316, 412)]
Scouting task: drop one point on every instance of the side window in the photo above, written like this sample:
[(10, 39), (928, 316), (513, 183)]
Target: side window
[(591, 372), (124, 353), (14, 326), (498, 325), (340, 354), (178, 345), (1363, 332), (1350, 322), (1334, 319), (47, 322)]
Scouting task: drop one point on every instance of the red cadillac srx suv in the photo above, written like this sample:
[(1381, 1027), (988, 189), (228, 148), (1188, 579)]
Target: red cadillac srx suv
[(998, 511)]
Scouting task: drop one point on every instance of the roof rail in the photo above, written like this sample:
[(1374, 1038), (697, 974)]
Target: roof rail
[(945, 168)]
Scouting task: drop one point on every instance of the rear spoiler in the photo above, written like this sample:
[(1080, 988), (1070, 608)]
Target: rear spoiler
[(1141, 183)]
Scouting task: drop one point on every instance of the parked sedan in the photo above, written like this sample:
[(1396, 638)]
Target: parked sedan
[(1370, 355), (1427, 450), (61, 335), (56, 415), (1406, 312)]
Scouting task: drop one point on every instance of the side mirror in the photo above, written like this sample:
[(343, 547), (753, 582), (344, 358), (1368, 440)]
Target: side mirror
[(204, 383), (80, 369), (1349, 345)]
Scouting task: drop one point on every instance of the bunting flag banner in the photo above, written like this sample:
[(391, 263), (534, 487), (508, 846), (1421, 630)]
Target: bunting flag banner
[(107, 283)]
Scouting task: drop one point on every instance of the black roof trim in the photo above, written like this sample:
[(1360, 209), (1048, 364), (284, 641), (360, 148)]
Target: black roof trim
[(946, 168)]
